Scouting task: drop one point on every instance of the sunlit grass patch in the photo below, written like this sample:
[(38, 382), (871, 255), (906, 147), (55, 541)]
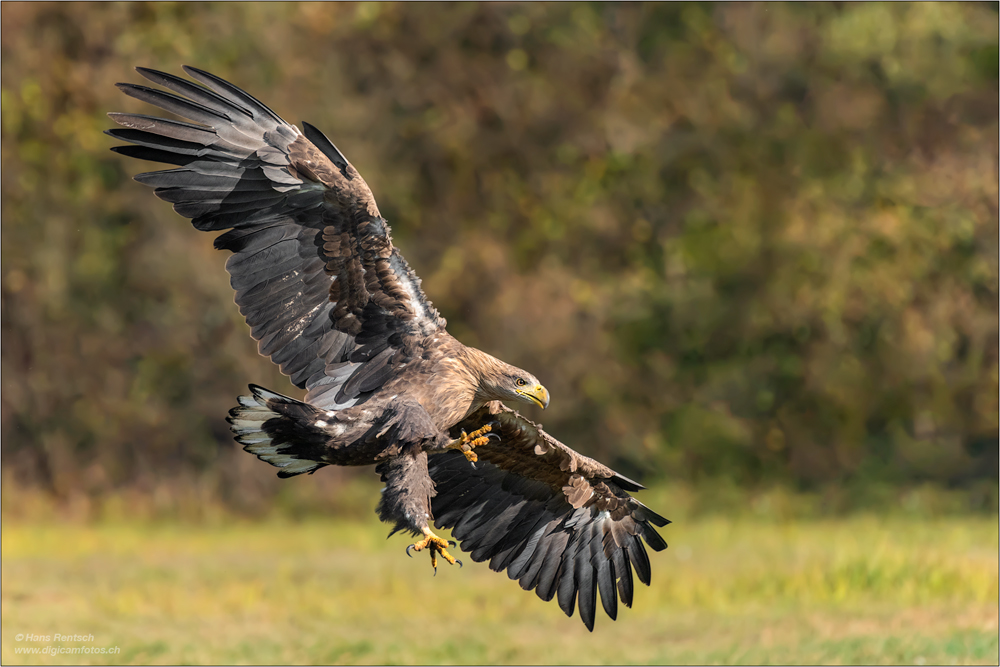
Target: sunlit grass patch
[(861, 589)]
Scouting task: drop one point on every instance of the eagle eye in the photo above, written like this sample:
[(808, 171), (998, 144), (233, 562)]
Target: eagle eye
[(520, 382)]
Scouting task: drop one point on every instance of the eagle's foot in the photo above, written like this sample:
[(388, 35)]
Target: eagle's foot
[(435, 545), (470, 441)]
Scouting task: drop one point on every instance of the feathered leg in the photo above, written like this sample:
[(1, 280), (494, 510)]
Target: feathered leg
[(406, 501)]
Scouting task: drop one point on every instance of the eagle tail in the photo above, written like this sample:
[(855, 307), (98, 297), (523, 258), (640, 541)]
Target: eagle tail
[(277, 429)]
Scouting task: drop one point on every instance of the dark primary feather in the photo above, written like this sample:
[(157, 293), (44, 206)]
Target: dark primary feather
[(313, 263), (321, 142)]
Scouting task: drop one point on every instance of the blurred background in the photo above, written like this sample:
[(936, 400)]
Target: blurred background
[(747, 243), (751, 249)]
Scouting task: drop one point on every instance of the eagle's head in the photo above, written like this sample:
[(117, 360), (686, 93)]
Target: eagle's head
[(511, 384), (522, 386), (499, 381)]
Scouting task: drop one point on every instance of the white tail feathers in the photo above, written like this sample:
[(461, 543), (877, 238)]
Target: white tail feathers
[(247, 422)]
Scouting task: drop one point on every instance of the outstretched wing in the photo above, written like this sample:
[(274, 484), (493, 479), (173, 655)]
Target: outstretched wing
[(558, 522), (325, 293)]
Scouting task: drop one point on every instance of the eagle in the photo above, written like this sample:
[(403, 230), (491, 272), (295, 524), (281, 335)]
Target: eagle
[(332, 302)]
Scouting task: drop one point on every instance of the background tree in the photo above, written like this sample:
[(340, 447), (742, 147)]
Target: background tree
[(746, 241)]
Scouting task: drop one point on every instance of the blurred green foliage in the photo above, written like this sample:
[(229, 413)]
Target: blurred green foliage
[(746, 241)]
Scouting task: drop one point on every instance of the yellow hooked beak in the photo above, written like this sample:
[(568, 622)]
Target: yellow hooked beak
[(538, 395)]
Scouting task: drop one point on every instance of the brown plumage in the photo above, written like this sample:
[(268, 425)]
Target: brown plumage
[(333, 303)]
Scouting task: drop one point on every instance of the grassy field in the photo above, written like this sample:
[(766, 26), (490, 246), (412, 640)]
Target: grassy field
[(862, 589)]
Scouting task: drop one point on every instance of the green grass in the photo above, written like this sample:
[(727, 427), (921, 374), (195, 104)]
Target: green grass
[(861, 589)]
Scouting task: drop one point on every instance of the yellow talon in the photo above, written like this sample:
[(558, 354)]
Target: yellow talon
[(437, 546), (470, 441)]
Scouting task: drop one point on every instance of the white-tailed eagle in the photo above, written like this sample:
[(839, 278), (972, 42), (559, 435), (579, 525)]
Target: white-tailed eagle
[(333, 303)]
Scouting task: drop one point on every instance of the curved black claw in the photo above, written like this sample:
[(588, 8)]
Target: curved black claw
[(408, 551), (493, 435), (452, 543)]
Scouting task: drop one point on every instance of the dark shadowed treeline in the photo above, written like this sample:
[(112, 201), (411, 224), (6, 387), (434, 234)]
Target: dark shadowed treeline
[(755, 242)]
